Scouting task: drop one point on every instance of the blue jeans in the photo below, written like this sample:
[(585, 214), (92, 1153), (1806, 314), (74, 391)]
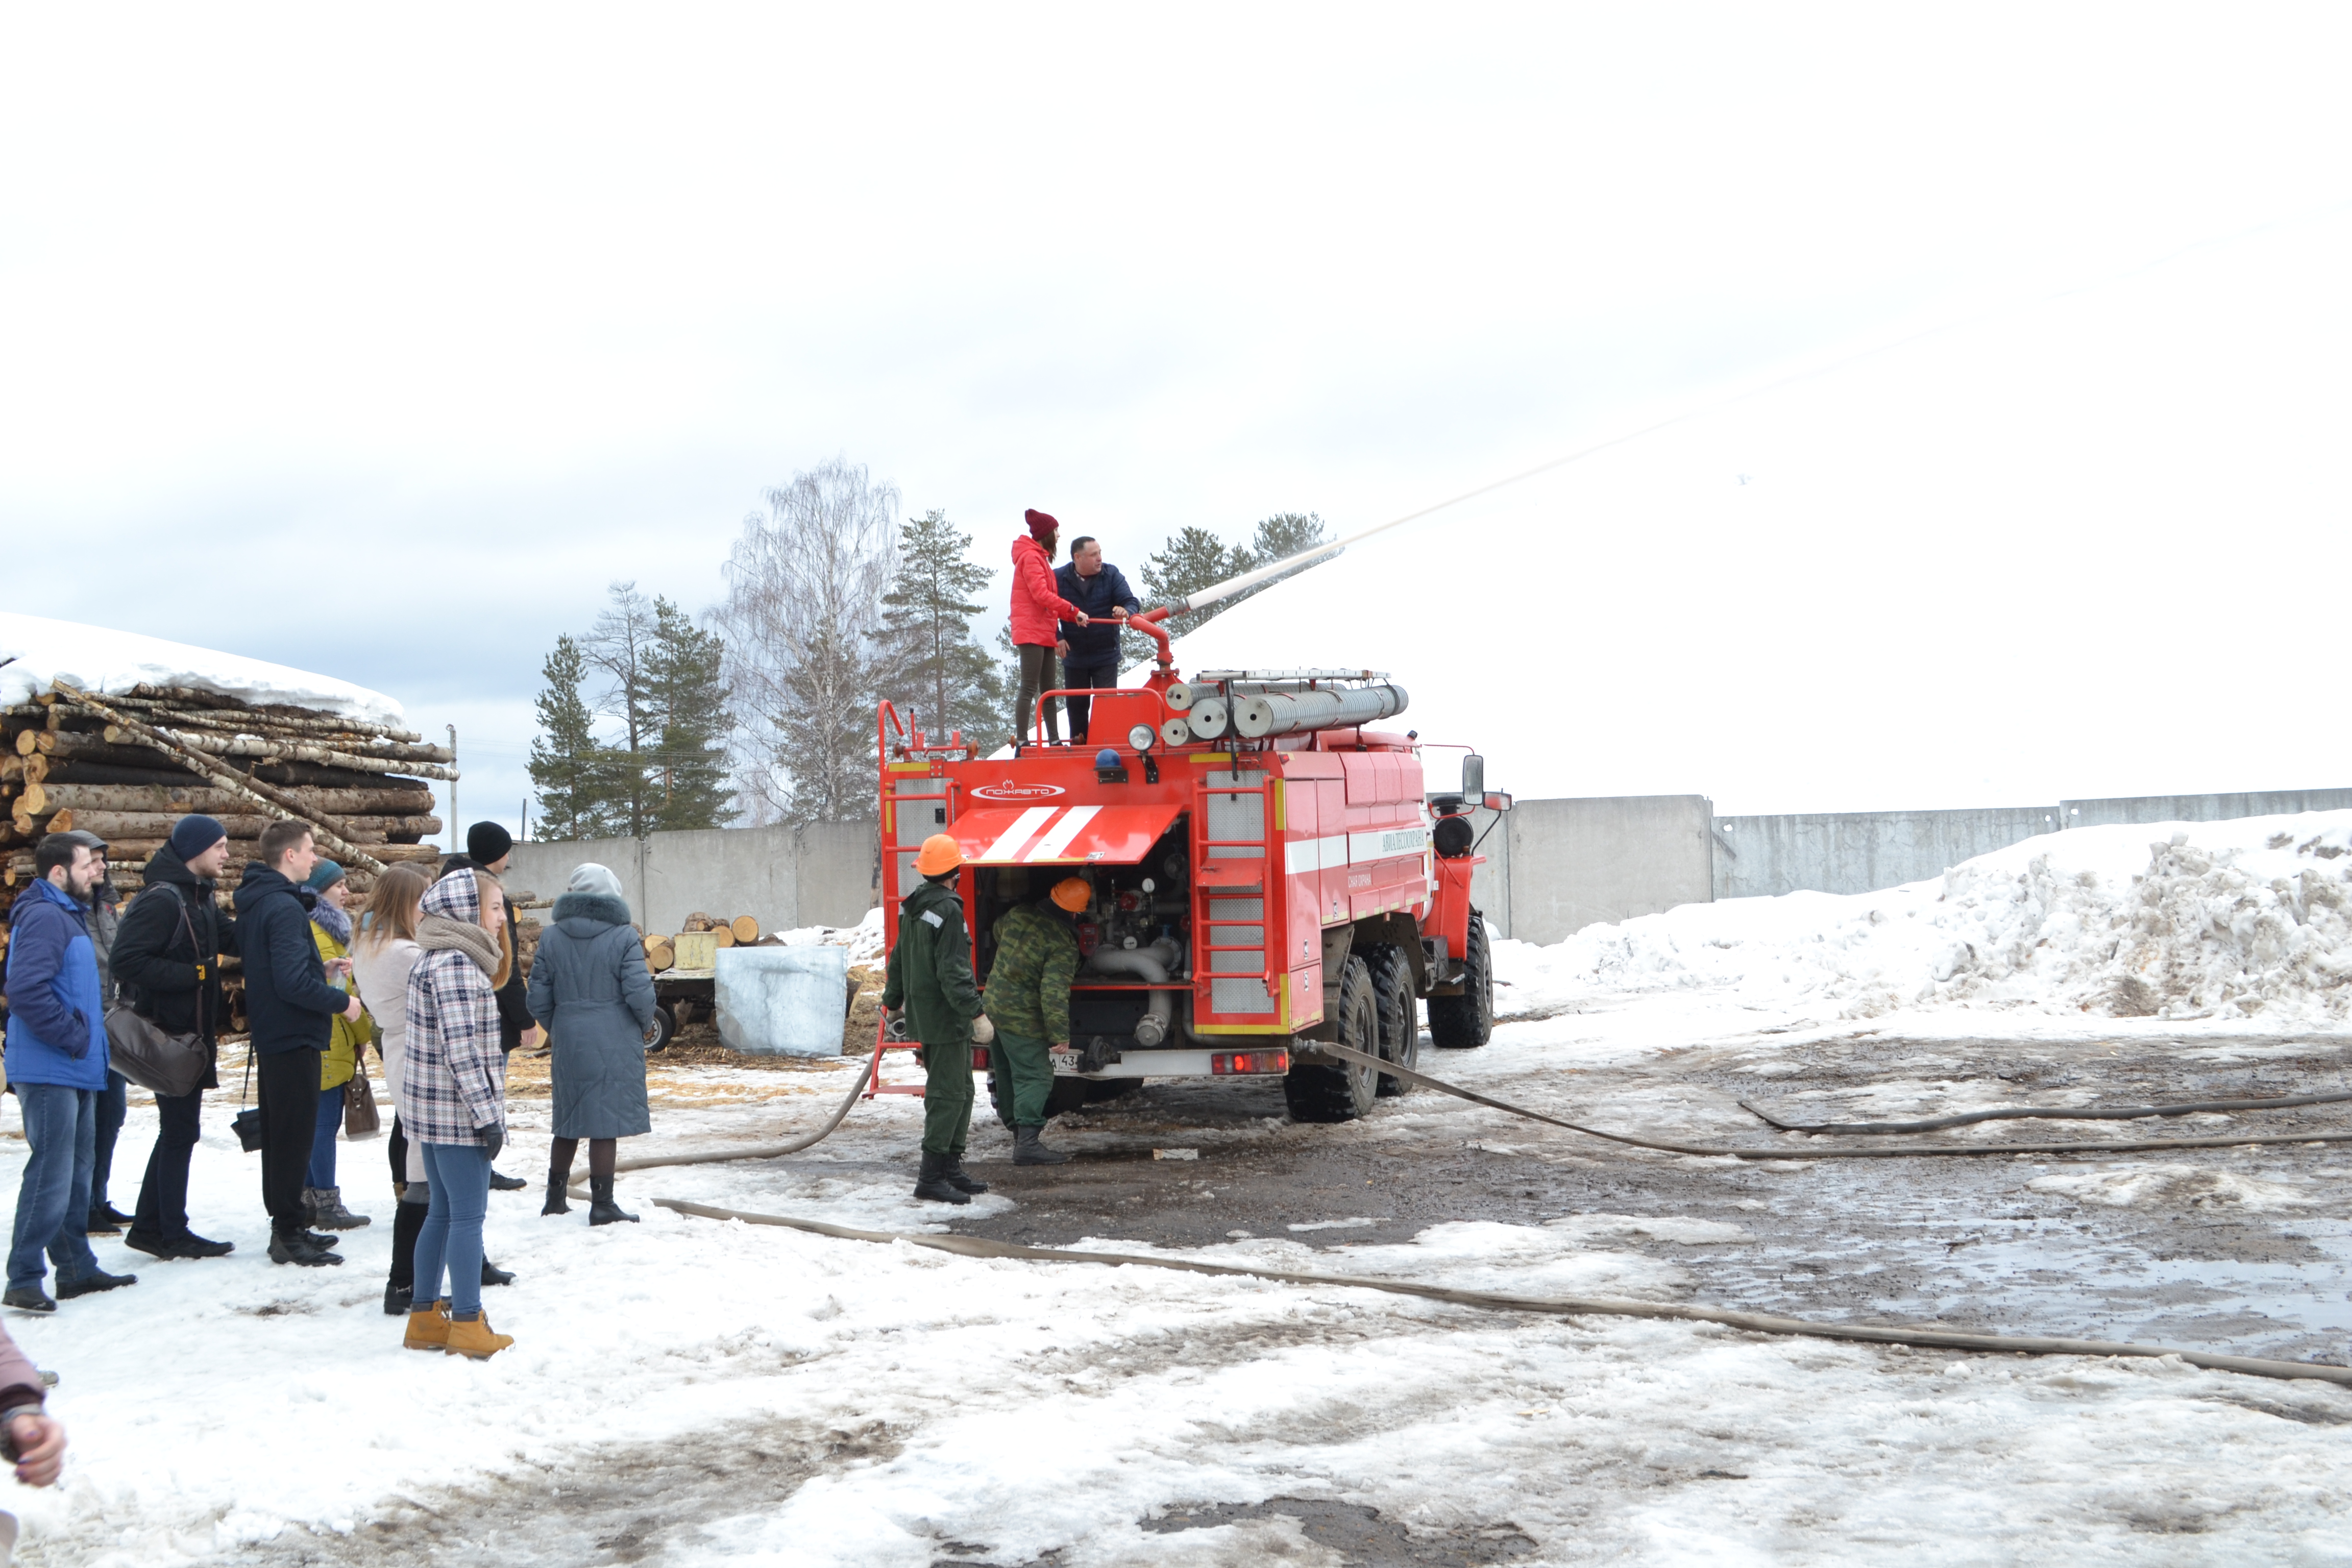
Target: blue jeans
[(53, 1202), (459, 1174), (322, 1142)]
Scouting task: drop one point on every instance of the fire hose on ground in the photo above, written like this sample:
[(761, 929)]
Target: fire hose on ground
[(1912, 1336)]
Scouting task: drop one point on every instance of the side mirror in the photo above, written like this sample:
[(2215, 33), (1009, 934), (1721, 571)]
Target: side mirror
[(1473, 776)]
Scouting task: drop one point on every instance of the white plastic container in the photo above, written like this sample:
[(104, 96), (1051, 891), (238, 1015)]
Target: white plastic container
[(783, 1001)]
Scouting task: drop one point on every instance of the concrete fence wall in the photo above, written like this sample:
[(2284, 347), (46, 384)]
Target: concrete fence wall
[(1553, 867), (824, 874)]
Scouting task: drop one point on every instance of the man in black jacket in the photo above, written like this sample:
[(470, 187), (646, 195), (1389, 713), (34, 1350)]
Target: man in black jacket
[(166, 962), (290, 1010), (488, 848), (1090, 652)]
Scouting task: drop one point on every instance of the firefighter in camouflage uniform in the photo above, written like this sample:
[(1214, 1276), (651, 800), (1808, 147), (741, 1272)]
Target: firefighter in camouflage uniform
[(1028, 998), (930, 990)]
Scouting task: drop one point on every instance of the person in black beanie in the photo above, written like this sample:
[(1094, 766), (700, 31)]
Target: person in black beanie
[(167, 964), (488, 848)]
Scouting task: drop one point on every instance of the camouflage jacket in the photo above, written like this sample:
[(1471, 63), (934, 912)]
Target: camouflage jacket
[(1029, 984), (930, 969)]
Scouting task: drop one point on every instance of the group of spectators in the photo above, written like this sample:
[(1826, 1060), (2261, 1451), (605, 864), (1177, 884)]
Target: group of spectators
[(425, 971)]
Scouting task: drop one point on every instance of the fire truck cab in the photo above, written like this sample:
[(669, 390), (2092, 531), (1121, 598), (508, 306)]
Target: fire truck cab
[(1267, 875)]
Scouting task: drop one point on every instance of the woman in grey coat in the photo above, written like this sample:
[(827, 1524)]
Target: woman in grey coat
[(591, 989)]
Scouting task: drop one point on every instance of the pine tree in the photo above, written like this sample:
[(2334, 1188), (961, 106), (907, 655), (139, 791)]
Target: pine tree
[(1193, 558), (567, 764), (932, 669), (1278, 538), (1196, 559), (623, 645), (687, 697)]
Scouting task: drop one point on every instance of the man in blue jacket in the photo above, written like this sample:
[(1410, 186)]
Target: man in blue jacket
[(290, 1010), (1090, 652), (57, 1062)]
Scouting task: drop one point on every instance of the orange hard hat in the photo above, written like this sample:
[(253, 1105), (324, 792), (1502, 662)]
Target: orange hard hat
[(937, 855), (1071, 893)]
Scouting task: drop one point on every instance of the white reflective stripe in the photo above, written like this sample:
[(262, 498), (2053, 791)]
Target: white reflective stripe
[(1050, 847), (1024, 826), (1386, 843), (1301, 856)]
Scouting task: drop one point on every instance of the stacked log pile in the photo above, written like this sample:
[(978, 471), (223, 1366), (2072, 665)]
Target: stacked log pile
[(743, 931), (127, 766)]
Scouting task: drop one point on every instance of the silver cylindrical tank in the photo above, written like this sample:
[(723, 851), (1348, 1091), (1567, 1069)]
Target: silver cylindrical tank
[(1326, 707), (1207, 718)]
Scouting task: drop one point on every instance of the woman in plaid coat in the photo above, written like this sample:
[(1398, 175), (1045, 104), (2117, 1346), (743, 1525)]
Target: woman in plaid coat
[(453, 1094)]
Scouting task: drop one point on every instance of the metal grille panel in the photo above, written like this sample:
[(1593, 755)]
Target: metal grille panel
[(1240, 996), (1236, 816), (1237, 909), (1249, 962)]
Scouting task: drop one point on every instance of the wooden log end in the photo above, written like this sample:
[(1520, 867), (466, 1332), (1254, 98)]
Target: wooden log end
[(746, 929)]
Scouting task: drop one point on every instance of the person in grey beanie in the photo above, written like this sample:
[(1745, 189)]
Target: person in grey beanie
[(167, 966), (589, 987)]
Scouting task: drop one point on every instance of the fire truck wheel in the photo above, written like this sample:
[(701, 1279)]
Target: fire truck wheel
[(665, 1029), (1068, 1094), (1400, 1020), (1101, 1090), (1458, 1022), (1320, 1093)]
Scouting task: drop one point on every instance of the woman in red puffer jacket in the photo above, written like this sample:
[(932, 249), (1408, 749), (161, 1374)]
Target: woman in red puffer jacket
[(1038, 610)]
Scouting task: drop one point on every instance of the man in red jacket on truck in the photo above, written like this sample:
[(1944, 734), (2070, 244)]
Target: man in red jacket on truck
[(1038, 610)]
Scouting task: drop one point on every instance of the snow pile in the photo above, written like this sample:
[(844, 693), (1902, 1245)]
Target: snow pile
[(862, 940), (100, 659), (2218, 919)]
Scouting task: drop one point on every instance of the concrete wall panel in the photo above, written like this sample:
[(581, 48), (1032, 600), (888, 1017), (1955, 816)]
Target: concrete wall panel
[(820, 874), (2203, 807), (1861, 851), (1575, 863)]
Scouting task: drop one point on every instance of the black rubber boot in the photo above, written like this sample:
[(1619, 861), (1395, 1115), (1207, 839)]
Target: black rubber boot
[(602, 1209), (494, 1275), (1028, 1151), (556, 1197), (931, 1183), (407, 1220), (295, 1247), (960, 1179)]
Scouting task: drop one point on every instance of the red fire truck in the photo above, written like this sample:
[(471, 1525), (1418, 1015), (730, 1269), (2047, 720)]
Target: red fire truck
[(1267, 873)]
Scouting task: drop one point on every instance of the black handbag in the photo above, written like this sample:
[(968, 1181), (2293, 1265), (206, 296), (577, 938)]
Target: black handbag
[(150, 1057), (247, 1122)]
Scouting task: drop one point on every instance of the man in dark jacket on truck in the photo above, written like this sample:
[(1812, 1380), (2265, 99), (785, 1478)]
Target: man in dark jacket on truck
[(929, 977), (56, 1061), (167, 954), (1090, 652), (1028, 1000), (291, 1010)]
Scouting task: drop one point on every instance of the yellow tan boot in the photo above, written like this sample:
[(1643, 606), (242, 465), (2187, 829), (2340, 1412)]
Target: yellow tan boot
[(471, 1338), (429, 1327)]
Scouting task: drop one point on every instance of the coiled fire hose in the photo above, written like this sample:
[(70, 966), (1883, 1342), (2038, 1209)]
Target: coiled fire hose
[(1918, 1337)]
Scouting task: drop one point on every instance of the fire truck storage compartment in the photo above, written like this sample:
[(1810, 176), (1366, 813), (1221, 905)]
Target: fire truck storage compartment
[(1141, 906)]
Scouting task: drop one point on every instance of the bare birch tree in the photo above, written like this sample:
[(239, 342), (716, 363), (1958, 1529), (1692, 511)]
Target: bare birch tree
[(804, 586)]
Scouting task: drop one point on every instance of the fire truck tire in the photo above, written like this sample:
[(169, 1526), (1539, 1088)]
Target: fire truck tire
[(1068, 1094), (1392, 1004), (1460, 1022), (1320, 1093), (664, 1030), (1101, 1090)]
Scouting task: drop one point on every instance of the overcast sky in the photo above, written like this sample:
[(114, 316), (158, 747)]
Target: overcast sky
[(379, 342)]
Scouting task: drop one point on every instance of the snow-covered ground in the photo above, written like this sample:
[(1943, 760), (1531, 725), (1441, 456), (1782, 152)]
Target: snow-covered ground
[(906, 1406), (36, 650)]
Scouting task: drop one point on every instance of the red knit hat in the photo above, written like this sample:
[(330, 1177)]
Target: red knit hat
[(1041, 523)]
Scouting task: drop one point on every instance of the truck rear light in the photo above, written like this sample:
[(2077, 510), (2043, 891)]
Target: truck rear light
[(1226, 1064)]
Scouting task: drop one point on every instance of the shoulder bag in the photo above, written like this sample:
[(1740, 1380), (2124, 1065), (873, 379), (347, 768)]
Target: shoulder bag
[(166, 1064)]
